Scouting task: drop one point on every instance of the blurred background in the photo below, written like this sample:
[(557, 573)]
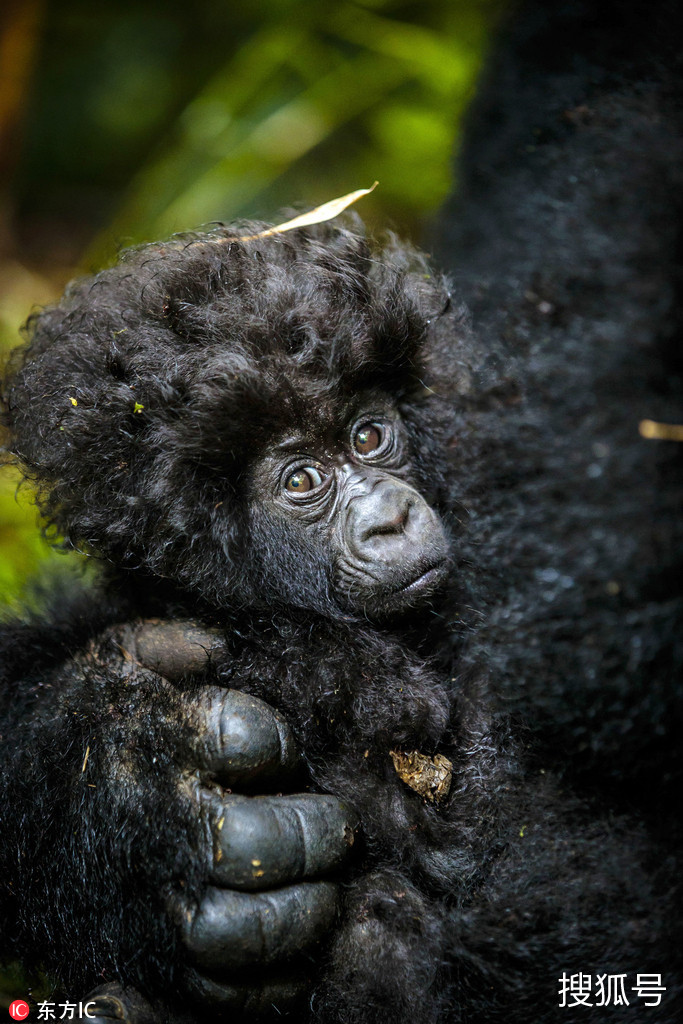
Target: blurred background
[(128, 120)]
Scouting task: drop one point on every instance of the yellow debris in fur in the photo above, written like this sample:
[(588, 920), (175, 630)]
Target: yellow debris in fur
[(428, 776)]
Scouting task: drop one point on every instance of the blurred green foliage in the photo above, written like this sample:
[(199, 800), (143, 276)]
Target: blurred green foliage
[(145, 118), (24, 553)]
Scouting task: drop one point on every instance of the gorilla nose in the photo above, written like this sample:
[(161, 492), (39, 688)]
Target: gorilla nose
[(389, 524), (390, 517)]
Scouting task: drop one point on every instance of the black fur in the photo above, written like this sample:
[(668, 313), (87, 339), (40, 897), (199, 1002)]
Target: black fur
[(546, 673)]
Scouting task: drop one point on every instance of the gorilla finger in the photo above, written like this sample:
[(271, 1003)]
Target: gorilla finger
[(231, 930), (268, 841), (111, 1002), (174, 649), (237, 737), (258, 996)]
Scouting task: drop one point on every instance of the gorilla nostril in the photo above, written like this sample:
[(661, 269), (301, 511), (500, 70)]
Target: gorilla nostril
[(395, 524)]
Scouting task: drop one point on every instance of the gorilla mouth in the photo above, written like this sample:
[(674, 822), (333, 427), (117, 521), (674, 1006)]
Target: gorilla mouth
[(432, 575), (381, 602)]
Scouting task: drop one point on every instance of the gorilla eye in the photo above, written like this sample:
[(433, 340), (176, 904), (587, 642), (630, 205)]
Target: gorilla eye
[(368, 438), (303, 480)]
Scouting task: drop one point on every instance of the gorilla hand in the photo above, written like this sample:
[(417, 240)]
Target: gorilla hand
[(203, 895), (264, 854)]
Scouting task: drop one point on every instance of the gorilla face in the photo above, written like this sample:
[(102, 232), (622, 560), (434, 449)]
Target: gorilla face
[(337, 521), (259, 424)]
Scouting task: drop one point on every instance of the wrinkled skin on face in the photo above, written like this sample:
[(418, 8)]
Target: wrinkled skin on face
[(341, 501)]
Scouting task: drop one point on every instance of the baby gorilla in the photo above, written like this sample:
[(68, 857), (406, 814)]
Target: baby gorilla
[(263, 434)]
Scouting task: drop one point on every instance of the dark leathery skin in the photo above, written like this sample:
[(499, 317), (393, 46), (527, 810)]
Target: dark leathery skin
[(232, 930), (239, 738), (265, 842), (174, 649)]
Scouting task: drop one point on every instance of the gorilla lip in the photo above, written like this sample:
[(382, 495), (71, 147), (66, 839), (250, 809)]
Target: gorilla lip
[(432, 575)]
